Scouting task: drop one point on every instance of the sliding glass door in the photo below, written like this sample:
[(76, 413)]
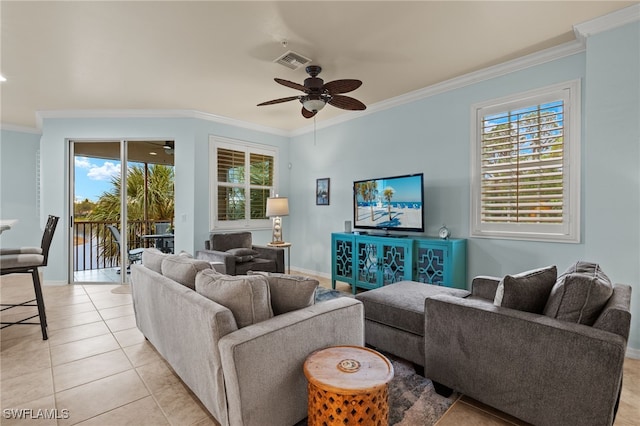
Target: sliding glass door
[(122, 198)]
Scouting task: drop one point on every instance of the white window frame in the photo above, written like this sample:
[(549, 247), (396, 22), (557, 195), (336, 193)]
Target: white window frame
[(569, 230), (216, 142)]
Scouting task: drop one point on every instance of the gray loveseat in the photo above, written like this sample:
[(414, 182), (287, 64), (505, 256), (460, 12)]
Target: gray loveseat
[(251, 375), (239, 255), (555, 367)]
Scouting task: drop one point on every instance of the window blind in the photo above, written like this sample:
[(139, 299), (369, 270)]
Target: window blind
[(245, 179), (522, 156), (261, 182)]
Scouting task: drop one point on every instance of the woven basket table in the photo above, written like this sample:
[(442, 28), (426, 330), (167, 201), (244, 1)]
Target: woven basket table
[(348, 385)]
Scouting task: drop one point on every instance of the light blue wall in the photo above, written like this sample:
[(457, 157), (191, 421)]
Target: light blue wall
[(18, 172), (612, 159), (433, 136), (191, 171)]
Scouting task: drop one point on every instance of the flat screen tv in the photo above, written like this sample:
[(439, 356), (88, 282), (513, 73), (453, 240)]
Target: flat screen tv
[(391, 204)]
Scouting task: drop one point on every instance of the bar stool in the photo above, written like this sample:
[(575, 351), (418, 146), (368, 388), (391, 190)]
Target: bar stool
[(26, 260)]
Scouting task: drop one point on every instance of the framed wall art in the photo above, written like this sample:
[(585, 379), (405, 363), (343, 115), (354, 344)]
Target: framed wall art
[(322, 191)]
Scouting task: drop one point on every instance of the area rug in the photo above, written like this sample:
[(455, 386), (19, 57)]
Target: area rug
[(323, 294)]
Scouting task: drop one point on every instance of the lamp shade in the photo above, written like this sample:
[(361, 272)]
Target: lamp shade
[(277, 206)]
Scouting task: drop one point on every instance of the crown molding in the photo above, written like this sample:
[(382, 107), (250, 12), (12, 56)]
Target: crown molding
[(533, 59), (20, 129), (607, 22), (154, 113)]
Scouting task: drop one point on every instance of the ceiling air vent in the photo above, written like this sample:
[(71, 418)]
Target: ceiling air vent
[(292, 60)]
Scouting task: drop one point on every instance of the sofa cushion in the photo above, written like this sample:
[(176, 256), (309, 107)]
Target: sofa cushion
[(579, 294), (152, 258), (183, 269), (289, 292), (243, 254), (246, 296), (527, 291)]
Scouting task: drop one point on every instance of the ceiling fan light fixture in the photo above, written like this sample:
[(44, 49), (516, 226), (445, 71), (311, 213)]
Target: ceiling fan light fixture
[(313, 105)]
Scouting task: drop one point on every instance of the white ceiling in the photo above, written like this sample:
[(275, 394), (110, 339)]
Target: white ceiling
[(216, 57)]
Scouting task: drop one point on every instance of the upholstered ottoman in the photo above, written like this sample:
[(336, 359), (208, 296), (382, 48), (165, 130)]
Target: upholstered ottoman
[(394, 317)]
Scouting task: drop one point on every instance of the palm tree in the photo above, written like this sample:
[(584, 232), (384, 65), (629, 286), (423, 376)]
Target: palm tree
[(368, 191), (388, 195), (160, 202)]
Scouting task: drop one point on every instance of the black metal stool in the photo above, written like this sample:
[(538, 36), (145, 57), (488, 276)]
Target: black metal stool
[(26, 260)]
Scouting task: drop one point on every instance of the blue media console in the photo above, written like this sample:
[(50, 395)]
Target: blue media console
[(369, 261)]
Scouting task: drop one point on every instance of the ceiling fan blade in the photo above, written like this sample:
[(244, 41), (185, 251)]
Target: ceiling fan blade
[(291, 84), (342, 86), (346, 102), (308, 114), (277, 101)]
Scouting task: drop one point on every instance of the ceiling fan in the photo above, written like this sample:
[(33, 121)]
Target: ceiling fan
[(318, 93), (169, 147)]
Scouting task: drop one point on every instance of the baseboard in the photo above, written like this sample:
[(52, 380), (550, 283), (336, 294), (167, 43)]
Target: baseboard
[(633, 353), (310, 272), (54, 283)]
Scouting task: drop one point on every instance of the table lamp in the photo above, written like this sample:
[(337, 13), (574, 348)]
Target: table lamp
[(277, 207)]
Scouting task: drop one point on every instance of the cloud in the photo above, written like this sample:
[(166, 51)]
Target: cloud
[(82, 162), (104, 172)]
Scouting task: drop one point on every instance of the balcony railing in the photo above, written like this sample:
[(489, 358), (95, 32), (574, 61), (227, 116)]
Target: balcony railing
[(94, 246)]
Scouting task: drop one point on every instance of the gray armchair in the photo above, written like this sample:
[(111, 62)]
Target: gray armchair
[(537, 368), (238, 254)]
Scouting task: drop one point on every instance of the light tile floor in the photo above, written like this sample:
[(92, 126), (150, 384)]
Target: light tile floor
[(98, 367)]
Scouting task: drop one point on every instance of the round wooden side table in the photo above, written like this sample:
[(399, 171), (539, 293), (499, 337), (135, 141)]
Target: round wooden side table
[(348, 385)]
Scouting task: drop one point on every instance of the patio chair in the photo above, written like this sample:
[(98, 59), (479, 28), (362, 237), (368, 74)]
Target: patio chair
[(27, 260), (133, 255)]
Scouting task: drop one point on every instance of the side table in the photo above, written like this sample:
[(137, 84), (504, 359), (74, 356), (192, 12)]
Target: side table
[(288, 247), (348, 385)]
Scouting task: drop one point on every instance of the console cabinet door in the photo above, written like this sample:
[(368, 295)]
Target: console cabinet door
[(342, 257), (430, 263), (382, 261), (441, 262)]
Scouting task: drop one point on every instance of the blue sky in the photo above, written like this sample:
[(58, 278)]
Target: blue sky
[(93, 177)]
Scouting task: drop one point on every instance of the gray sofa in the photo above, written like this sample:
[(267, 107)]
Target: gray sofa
[(251, 375), (549, 368), (239, 255)]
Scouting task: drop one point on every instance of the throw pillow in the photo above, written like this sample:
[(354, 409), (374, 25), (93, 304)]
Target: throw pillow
[(289, 292), (527, 291), (247, 297), (152, 258), (183, 269), (243, 254), (579, 294)]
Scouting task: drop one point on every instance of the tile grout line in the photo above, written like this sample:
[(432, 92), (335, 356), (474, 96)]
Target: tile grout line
[(135, 369)]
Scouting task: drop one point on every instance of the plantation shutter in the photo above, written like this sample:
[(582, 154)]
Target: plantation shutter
[(521, 165), (244, 177), (261, 182), (231, 178)]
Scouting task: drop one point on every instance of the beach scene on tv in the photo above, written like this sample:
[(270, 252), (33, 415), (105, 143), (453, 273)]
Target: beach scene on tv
[(389, 203)]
